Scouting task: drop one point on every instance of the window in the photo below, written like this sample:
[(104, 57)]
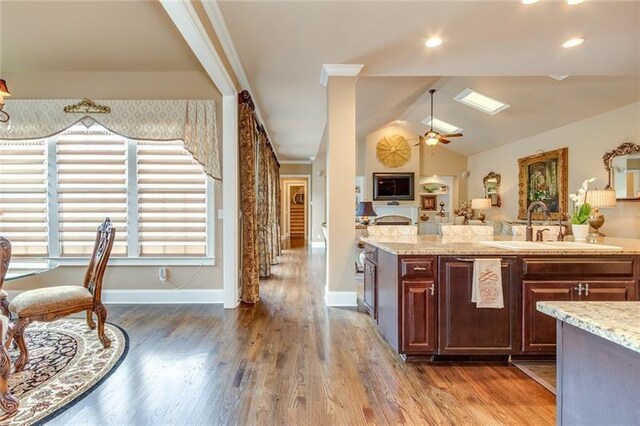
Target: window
[(171, 201), (23, 196), (54, 193), (91, 184)]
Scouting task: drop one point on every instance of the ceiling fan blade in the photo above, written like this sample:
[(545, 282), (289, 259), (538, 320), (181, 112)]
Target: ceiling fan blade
[(452, 135), (444, 141)]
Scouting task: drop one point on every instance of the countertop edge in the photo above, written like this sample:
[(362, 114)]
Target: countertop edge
[(589, 325)]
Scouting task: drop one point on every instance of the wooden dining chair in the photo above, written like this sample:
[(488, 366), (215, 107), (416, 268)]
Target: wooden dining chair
[(51, 303), (5, 258), (8, 403)]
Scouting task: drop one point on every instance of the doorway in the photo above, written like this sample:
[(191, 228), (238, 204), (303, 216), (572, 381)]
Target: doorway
[(295, 211)]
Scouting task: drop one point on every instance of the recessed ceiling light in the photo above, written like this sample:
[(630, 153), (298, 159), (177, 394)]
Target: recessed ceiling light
[(530, 1), (482, 102), (441, 126), (573, 42), (433, 42), (573, 2)]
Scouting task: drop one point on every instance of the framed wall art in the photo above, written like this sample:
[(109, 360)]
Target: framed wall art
[(428, 202), (543, 177)]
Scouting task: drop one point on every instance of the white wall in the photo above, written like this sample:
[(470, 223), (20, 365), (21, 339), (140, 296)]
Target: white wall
[(587, 141), (319, 193)]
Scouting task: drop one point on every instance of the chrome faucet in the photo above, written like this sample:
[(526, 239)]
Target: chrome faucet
[(533, 205)]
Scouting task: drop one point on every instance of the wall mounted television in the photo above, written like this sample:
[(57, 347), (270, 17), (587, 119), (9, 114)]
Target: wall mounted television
[(393, 186)]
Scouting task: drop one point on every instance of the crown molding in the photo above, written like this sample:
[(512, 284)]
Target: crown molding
[(212, 9), (187, 22), (339, 70)]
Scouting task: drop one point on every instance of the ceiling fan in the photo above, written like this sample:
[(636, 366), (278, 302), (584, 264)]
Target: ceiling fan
[(431, 137)]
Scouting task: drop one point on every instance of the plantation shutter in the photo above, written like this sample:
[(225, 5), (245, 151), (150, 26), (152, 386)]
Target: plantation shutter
[(172, 201), (92, 185), (23, 196)]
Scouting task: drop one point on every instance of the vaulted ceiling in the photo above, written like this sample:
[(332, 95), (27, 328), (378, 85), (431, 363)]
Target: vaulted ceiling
[(503, 49), (283, 44)]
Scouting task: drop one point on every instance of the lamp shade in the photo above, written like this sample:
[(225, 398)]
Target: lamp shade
[(481, 203), (602, 198), (365, 208), (4, 90)]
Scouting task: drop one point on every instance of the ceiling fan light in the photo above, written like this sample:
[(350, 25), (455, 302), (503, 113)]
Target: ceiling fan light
[(431, 141)]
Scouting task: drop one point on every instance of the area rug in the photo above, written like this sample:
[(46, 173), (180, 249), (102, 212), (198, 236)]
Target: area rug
[(67, 361)]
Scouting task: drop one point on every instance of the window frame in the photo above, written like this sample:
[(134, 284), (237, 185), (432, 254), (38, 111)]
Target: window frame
[(133, 257)]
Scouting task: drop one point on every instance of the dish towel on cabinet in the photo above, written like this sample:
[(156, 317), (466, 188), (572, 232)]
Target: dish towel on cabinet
[(486, 291)]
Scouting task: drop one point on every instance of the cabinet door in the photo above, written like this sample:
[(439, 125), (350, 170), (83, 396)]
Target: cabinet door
[(370, 287), (538, 329), (418, 328), (465, 329), (608, 291)]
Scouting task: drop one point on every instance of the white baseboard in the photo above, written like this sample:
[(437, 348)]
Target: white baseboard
[(341, 298), (151, 297), (319, 244)]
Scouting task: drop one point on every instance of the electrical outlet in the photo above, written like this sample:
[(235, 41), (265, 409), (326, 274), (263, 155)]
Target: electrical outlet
[(162, 274), (220, 214)]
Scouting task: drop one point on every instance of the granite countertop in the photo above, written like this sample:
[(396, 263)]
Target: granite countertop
[(437, 245), (613, 321)]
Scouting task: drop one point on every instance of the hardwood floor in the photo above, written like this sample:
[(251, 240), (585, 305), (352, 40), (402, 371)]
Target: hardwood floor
[(291, 360)]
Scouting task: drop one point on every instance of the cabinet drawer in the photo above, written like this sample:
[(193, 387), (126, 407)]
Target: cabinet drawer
[(371, 253), (578, 267), (422, 267)]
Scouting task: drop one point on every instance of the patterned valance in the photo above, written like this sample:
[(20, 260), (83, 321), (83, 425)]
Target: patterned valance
[(193, 121)]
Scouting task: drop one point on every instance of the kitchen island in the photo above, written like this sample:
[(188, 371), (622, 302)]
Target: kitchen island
[(418, 290), (598, 361)]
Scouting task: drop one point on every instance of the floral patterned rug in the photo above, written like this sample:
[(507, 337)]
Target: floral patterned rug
[(67, 361)]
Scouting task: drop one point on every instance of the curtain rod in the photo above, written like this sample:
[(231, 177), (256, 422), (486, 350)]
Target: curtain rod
[(244, 97)]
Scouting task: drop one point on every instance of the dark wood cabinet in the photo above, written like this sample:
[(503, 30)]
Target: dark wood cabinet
[(370, 287), (466, 329), (608, 291), (539, 330), (422, 303), (418, 324)]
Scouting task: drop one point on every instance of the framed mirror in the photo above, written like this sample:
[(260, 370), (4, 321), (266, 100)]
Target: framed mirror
[(623, 167), (491, 184)]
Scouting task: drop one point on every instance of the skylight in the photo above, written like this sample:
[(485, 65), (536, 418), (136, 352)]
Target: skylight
[(482, 102), (441, 126)]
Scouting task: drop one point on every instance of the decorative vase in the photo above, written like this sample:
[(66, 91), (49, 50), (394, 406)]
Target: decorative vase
[(580, 232)]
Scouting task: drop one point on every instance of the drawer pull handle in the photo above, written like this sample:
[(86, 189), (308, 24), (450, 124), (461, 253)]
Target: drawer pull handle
[(432, 288), (579, 288), (419, 268), (586, 289)]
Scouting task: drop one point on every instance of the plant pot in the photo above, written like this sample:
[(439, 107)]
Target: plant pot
[(580, 232)]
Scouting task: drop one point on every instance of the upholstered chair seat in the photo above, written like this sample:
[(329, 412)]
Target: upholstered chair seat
[(51, 299)]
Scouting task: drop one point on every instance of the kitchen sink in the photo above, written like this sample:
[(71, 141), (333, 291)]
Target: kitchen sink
[(548, 245)]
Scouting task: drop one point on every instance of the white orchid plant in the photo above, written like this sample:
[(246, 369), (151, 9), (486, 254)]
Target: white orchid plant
[(581, 209)]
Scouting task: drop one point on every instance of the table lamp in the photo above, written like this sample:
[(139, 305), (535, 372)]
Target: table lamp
[(364, 211), (481, 204), (599, 199)]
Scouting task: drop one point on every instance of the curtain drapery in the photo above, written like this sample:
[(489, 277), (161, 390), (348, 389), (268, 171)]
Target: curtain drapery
[(248, 142), (193, 121), (259, 200)]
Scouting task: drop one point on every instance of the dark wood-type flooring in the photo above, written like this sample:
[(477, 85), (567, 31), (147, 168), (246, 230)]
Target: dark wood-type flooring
[(291, 360)]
